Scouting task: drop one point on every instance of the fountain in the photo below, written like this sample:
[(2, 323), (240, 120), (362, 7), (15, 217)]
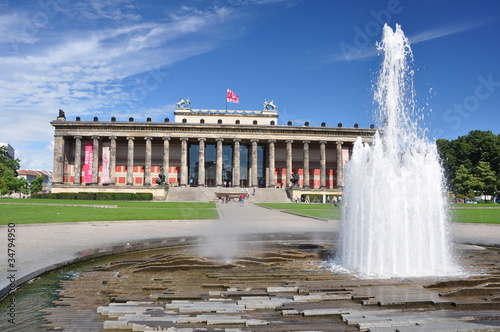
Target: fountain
[(395, 215)]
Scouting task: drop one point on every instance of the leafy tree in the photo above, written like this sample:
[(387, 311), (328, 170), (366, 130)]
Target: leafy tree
[(36, 185), (464, 182), (9, 182), (487, 183), (463, 159)]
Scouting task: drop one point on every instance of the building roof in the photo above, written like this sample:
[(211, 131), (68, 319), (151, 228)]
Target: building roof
[(34, 172)]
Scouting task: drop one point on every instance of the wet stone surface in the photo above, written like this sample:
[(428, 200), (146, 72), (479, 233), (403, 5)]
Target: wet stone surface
[(273, 286)]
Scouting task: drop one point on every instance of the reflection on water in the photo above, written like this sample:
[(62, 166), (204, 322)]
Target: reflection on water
[(33, 297)]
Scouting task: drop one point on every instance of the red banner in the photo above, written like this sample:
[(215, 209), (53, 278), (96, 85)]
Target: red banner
[(87, 166)]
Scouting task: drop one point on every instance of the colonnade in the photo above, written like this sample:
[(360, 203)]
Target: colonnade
[(97, 143)]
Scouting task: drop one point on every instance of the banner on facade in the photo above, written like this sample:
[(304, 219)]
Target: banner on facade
[(105, 163), (87, 166)]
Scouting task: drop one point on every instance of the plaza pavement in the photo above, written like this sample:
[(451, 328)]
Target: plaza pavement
[(43, 247)]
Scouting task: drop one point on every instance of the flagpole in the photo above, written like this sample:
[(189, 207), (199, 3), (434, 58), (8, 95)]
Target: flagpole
[(226, 98)]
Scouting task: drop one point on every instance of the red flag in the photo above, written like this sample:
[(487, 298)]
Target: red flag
[(232, 97)]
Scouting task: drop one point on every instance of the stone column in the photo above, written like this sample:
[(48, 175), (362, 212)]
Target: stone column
[(288, 162), (201, 162), (95, 159), (272, 163), (218, 163), (184, 158), (166, 158), (306, 179), (236, 163), (112, 160), (130, 161), (57, 176), (340, 165), (78, 160), (322, 163), (253, 175), (147, 162)]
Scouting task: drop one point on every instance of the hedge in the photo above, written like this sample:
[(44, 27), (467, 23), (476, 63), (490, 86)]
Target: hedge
[(98, 196)]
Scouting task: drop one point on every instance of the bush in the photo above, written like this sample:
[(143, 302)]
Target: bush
[(98, 196)]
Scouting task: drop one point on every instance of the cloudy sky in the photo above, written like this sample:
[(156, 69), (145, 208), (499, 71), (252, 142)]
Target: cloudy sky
[(316, 58)]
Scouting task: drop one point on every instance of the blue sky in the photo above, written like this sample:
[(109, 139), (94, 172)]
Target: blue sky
[(316, 58)]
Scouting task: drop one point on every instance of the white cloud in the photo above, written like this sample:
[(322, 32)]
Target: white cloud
[(446, 30), (353, 53), (87, 69)]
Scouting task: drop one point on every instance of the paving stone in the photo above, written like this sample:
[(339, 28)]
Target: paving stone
[(323, 312), (321, 297)]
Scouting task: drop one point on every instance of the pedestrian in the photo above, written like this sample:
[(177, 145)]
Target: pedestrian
[(334, 200), (242, 199), (253, 192), (296, 199)]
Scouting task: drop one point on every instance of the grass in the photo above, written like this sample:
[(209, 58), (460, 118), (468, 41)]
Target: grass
[(483, 216), (473, 214), (136, 204), (28, 212), (317, 210), (298, 206)]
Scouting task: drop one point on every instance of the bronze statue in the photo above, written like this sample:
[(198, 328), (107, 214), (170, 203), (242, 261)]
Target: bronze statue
[(295, 179), (161, 177)]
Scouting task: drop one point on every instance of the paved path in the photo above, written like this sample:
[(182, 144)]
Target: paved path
[(43, 247)]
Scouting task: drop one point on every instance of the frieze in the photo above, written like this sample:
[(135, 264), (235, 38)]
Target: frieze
[(76, 129)]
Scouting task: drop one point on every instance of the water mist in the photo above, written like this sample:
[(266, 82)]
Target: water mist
[(394, 221)]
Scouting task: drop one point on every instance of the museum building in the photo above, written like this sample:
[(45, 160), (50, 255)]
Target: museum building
[(200, 148)]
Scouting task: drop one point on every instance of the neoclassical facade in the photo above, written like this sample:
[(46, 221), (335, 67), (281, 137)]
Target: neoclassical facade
[(200, 148)]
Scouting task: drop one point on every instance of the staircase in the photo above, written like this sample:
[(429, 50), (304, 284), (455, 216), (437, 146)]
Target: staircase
[(207, 194)]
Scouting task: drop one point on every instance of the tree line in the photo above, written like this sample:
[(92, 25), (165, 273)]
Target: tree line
[(472, 163), (9, 182)]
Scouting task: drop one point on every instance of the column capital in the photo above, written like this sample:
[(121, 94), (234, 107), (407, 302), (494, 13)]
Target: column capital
[(184, 139), (340, 142), (254, 140), (166, 138), (289, 141), (306, 142), (95, 137), (202, 139), (148, 138), (237, 140), (130, 138), (271, 141), (219, 139), (322, 142), (112, 137), (78, 137)]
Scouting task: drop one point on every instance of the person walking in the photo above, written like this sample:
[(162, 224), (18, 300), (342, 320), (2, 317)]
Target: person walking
[(242, 199)]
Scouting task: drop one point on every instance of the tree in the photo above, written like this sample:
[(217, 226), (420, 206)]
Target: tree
[(464, 182), (36, 185), (487, 183), (462, 160), (9, 182)]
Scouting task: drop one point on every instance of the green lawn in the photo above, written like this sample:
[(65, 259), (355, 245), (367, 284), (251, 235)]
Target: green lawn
[(148, 204), (298, 206), (324, 211), (28, 212), (473, 214)]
